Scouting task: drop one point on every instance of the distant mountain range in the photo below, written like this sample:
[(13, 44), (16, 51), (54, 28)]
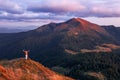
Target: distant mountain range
[(61, 47), (7, 30)]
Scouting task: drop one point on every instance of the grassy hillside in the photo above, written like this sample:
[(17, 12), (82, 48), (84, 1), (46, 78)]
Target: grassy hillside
[(21, 69)]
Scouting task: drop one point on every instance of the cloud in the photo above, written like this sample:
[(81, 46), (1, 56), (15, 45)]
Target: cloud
[(10, 7), (57, 10), (80, 8), (30, 16), (38, 12), (62, 6)]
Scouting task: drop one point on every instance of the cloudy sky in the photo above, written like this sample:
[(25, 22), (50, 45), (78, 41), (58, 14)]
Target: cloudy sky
[(30, 13)]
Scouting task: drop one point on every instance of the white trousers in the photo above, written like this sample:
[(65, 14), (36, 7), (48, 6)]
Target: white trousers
[(26, 56)]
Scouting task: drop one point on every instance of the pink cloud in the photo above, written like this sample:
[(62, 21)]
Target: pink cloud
[(56, 6)]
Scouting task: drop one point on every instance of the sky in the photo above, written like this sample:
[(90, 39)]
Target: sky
[(34, 13)]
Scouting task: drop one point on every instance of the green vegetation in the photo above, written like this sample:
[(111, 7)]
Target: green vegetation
[(105, 63)]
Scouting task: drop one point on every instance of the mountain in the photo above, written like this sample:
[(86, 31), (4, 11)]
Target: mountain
[(7, 30), (55, 40), (21, 69)]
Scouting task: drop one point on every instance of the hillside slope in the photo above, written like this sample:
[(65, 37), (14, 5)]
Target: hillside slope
[(114, 31), (21, 69)]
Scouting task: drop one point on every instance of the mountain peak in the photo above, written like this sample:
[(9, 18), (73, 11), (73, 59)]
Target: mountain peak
[(74, 25), (75, 19), (21, 69), (82, 21), (83, 26)]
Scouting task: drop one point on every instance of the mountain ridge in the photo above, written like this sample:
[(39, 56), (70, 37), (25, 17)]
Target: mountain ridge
[(74, 34), (74, 24)]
